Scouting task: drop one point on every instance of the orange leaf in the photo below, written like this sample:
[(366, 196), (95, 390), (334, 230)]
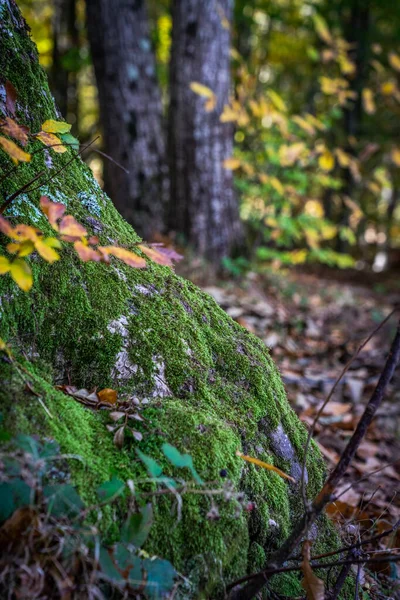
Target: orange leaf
[(25, 232), (156, 255), (314, 586), (14, 151), (264, 465), (14, 130), (22, 249), (21, 272), (108, 395), (52, 210), (86, 253), (70, 226), (49, 139), (129, 258), (6, 228)]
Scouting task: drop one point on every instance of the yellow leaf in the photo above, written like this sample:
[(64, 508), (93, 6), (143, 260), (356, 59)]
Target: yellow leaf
[(201, 90), (4, 265), (108, 395), (322, 29), (51, 140), (46, 251), (368, 101), (343, 158), (231, 163), (70, 226), (314, 586), (305, 125), (394, 60), (277, 185), (264, 465), (210, 104), (51, 126), (228, 114), (395, 156), (326, 161), (14, 151), (277, 101), (22, 249), (388, 88), (21, 272), (156, 256)]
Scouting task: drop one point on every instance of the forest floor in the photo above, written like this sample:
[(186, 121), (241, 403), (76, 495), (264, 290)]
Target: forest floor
[(313, 325)]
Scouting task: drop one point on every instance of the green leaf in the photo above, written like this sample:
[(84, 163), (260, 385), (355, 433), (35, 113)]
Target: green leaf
[(63, 500), (108, 567), (109, 490), (137, 527), (71, 141), (180, 460), (160, 578), (153, 468), (13, 494)]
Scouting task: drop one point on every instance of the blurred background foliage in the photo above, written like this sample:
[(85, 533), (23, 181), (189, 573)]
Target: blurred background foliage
[(315, 104)]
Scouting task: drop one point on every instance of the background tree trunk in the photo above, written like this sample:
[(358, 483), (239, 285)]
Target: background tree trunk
[(203, 206), (130, 107)]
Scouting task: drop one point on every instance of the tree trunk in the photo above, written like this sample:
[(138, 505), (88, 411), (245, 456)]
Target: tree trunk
[(63, 75), (203, 206), (131, 112), (204, 384)]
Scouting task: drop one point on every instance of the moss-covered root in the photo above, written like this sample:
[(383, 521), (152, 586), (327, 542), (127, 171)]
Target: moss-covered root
[(208, 385)]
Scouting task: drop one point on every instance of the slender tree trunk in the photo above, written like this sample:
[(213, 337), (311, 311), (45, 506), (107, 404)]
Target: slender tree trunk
[(203, 207), (130, 107), (63, 79)]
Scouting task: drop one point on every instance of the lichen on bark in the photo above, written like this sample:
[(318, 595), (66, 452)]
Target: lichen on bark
[(210, 387)]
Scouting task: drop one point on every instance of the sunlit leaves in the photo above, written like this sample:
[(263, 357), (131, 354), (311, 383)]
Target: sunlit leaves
[(394, 61), (204, 92), (231, 163), (395, 156), (52, 141), (322, 29), (368, 101), (14, 152), (326, 160), (52, 126)]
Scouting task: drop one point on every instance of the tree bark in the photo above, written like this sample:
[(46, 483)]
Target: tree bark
[(131, 112), (203, 206)]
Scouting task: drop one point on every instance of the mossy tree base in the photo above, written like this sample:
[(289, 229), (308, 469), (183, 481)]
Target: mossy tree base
[(209, 386)]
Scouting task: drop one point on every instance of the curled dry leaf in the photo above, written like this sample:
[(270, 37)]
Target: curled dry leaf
[(14, 130), (119, 437), (314, 586)]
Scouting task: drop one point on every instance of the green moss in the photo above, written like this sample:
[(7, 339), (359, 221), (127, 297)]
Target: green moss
[(210, 386)]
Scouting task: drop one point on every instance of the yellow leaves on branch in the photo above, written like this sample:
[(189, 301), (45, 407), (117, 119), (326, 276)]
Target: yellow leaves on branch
[(322, 29), (264, 465), (326, 160), (368, 101), (204, 92), (394, 60), (231, 163), (314, 587)]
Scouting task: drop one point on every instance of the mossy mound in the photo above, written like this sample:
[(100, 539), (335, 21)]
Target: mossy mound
[(209, 386)]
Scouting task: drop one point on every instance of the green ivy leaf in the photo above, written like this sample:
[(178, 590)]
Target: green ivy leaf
[(63, 500), (152, 466), (137, 527), (109, 490), (180, 460)]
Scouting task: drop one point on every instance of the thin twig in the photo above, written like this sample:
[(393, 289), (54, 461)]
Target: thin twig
[(329, 396), (111, 159), (7, 203), (257, 581)]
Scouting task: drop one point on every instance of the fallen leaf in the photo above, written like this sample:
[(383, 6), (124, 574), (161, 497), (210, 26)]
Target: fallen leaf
[(14, 130), (264, 465), (52, 141), (11, 97), (14, 152), (108, 395), (52, 126), (119, 437), (314, 586)]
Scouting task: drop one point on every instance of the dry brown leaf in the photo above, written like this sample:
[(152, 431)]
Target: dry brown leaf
[(314, 586)]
